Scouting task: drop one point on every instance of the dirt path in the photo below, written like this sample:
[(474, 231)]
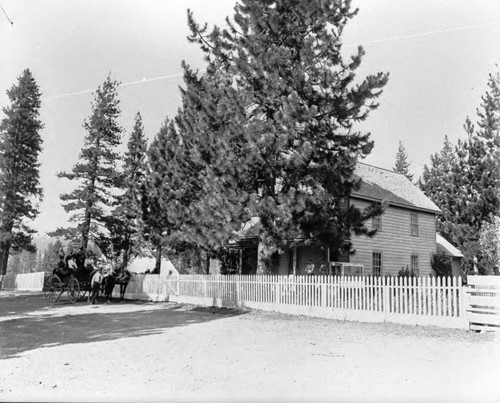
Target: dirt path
[(138, 351)]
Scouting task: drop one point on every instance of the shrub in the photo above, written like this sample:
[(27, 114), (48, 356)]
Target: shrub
[(407, 272), (441, 264)]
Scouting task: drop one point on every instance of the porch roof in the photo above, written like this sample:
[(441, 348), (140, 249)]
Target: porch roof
[(445, 248)]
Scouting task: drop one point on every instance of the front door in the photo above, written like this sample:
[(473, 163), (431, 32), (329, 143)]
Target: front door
[(249, 260)]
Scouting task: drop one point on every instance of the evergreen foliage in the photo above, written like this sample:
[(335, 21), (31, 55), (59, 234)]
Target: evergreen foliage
[(476, 176), (23, 261), (20, 147), (465, 182), (437, 183), (50, 256), (489, 240), (96, 174), (194, 202), (402, 164), (125, 225), (268, 130)]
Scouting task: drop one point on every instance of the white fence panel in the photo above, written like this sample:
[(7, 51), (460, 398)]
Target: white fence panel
[(422, 301), (149, 287), (483, 305), (23, 282)]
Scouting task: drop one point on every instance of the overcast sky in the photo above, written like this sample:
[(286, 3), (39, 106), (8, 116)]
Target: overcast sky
[(438, 53)]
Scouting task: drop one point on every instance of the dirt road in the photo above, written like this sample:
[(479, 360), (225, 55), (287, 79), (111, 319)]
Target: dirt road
[(137, 351)]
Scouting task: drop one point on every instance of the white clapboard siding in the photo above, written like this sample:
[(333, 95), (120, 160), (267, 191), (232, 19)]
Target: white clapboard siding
[(422, 300), (395, 242)]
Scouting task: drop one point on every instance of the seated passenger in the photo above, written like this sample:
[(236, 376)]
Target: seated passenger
[(71, 263), (61, 269)]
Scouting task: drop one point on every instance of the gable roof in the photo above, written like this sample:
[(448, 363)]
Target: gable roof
[(379, 184)]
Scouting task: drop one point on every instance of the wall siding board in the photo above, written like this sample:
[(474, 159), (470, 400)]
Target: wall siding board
[(395, 241)]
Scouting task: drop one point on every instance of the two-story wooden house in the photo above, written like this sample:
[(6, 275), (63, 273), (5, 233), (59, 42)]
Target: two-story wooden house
[(405, 238), (406, 232)]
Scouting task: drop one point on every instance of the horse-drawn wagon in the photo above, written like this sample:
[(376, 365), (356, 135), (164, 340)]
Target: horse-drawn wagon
[(76, 285)]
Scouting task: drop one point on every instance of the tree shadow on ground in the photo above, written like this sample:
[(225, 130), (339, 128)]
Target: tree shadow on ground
[(22, 329)]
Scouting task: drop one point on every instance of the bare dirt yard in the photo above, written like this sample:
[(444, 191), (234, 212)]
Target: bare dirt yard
[(139, 351)]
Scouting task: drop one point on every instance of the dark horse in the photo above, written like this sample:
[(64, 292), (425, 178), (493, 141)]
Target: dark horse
[(119, 277)]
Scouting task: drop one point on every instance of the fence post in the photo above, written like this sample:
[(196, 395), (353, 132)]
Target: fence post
[(386, 290), (178, 285), (237, 291), (277, 296), (323, 291), (464, 304)]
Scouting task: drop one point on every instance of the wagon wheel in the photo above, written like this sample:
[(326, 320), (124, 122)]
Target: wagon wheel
[(46, 287), (73, 289), (84, 289), (55, 288), (83, 292)]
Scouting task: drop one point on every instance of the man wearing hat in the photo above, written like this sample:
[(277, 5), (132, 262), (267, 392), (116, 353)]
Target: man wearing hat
[(95, 284)]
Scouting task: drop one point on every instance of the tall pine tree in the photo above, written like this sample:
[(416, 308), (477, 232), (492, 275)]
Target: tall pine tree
[(96, 174), (198, 179), (125, 224), (20, 147), (402, 165), (297, 142)]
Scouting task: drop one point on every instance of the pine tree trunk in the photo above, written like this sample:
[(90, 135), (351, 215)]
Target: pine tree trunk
[(85, 231), (4, 256), (158, 261), (5, 245), (126, 256)]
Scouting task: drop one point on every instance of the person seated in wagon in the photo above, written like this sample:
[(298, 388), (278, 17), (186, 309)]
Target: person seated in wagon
[(62, 269)]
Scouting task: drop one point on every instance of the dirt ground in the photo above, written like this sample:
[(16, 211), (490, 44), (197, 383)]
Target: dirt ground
[(139, 351)]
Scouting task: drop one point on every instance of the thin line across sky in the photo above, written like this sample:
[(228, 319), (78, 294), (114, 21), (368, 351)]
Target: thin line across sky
[(144, 80), (441, 31), (394, 38)]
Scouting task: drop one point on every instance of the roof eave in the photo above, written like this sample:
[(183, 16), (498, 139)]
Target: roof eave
[(396, 204)]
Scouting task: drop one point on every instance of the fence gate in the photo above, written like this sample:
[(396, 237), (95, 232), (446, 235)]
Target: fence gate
[(483, 306)]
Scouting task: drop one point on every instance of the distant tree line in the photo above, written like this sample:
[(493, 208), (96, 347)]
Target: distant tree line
[(463, 180)]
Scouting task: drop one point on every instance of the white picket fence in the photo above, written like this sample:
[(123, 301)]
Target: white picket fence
[(22, 282), (416, 301)]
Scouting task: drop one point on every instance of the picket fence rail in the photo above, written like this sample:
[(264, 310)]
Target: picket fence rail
[(415, 300)]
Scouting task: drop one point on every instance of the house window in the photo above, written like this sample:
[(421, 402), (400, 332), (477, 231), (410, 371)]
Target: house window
[(414, 264), (377, 223), (377, 263), (414, 224)]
